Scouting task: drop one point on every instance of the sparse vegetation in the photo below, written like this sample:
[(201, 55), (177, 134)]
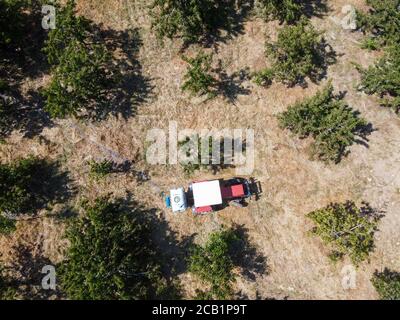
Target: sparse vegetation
[(387, 284), (347, 229), (196, 149), (112, 255), (381, 23), (325, 117), (198, 79), (299, 52), (383, 79), (188, 147), (100, 169), (7, 286), (213, 264)]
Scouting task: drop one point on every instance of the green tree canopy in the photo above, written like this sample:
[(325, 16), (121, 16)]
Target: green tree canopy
[(69, 28), (7, 225), (191, 20), (27, 185), (299, 52), (383, 79), (347, 229), (82, 72), (382, 22), (213, 264), (79, 82), (111, 254), (387, 284), (283, 10), (18, 182), (325, 117)]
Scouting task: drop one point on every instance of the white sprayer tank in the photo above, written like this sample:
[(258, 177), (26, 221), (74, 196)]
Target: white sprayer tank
[(178, 200)]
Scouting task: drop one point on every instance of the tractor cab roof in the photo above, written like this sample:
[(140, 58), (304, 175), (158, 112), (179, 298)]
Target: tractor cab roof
[(207, 193)]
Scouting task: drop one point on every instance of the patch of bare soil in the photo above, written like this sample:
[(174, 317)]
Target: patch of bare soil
[(293, 185)]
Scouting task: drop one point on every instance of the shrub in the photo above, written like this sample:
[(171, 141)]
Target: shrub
[(188, 147), (82, 69), (198, 79), (299, 52), (383, 79), (347, 229), (387, 284), (191, 20), (101, 169), (193, 149), (213, 264), (111, 254), (382, 22), (325, 117)]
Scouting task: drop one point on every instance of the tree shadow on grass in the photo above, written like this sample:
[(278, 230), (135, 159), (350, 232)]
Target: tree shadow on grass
[(225, 26), (315, 8), (26, 270), (25, 112), (230, 86), (50, 184), (246, 256), (175, 250), (232, 26), (132, 87), (21, 60), (171, 250)]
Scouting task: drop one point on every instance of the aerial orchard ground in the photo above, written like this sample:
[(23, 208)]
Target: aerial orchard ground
[(317, 81)]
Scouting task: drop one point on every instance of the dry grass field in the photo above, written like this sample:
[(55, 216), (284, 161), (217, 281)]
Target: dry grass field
[(292, 183)]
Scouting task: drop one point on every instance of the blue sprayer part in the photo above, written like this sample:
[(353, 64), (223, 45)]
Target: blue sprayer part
[(168, 201)]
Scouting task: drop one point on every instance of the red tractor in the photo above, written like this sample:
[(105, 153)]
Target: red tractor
[(214, 195)]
